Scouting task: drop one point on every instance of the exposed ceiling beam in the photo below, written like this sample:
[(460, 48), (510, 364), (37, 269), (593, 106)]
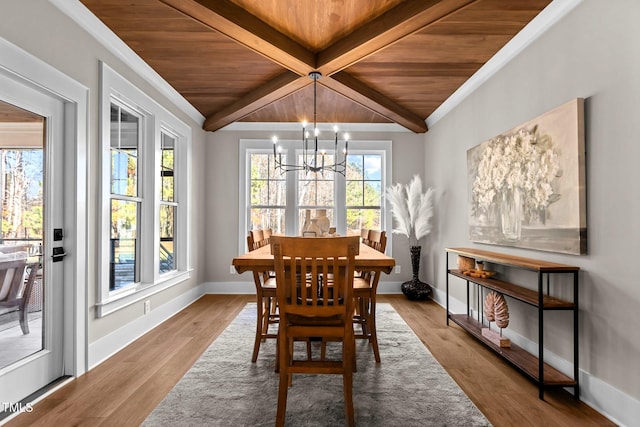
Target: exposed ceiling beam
[(234, 22), (347, 85), (404, 19), (281, 86), (238, 24)]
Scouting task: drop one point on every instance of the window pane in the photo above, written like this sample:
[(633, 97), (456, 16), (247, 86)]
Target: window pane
[(123, 173), (372, 193), (167, 150), (260, 166), (22, 204), (167, 238), (354, 193), (278, 193), (125, 134), (124, 244), (364, 189), (355, 167), (307, 193), (268, 218), (125, 127), (324, 193), (115, 126), (129, 129), (362, 218), (373, 167), (315, 193), (268, 193), (259, 192)]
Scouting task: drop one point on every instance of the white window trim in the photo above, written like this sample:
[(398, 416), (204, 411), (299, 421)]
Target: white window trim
[(290, 149), (156, 119)]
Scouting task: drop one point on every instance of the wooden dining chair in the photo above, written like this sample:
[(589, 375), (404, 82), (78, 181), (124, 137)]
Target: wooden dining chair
[(364, 235), (16, 288), (257, 239), (365, 289), (377, 240), (266, 235), (267, 312), (315, 308)]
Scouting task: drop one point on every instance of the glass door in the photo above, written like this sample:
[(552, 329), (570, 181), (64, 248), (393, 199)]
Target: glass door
[(31, 291)]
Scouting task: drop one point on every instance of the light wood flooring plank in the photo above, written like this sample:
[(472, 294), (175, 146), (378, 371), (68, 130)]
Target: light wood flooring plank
[(124, 389)]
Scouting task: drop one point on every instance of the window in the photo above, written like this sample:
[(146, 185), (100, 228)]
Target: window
[(268, 190), (145, 191), (168, 203), (364, 192), (279, 200), (125, 197)]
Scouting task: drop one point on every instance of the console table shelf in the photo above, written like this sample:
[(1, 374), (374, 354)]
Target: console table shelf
[(519, 357), (518, 292), (531, 365)]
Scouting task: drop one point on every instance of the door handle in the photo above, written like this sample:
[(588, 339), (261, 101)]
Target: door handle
[(58, 254)]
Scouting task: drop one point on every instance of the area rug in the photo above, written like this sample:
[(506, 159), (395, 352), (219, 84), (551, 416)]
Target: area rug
[(408, 387)]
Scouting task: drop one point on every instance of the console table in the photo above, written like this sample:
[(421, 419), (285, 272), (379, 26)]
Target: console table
[(541, 298)]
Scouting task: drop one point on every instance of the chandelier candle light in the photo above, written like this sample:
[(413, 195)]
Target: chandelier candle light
[(313, 160)]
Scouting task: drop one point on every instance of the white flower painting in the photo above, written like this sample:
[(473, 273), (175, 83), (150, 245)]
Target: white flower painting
[(527, 185)]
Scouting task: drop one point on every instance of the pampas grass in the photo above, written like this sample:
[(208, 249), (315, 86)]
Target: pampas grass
[(412, 209)]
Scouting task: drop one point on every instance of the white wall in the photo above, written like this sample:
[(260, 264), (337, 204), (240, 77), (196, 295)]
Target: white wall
[(592, 53)]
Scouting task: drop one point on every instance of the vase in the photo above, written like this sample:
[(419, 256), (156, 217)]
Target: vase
[(414, 289), (323, 221), (313, 228), (306, 222), (511, 213)]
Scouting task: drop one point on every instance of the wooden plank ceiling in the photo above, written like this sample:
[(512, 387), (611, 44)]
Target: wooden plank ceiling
[(382, 61)]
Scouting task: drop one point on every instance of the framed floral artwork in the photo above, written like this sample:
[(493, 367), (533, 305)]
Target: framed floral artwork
[(527, 185)]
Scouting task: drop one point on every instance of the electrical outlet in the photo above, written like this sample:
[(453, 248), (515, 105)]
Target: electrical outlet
[(397, 269), (232, 269), (147, 306)]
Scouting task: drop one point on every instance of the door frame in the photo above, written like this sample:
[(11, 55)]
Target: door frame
[(25, 68)]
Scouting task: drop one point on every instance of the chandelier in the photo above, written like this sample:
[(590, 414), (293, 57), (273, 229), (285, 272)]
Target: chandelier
[(313, 160)]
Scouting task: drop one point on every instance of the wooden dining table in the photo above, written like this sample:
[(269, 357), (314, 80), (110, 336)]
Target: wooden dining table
[(261, 260), (368, 259)]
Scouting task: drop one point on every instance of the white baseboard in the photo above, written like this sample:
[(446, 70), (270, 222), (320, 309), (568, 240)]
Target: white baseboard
[(614, 404), (240, 288), (112, 343)]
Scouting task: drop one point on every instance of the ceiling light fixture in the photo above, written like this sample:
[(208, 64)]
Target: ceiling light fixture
[(313, 160)]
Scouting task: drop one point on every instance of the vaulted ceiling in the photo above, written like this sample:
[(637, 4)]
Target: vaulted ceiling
[(382, 61)]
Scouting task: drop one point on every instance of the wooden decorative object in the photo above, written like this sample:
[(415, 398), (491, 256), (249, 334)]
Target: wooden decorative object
[(489, 303), (496, 309), (501, 311), (466, 263), (495, 338)]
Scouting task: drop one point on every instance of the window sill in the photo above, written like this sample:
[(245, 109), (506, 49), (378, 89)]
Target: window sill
[(140, 292)]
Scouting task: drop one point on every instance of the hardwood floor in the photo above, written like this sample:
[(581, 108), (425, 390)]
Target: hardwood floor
[(123, 390)]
